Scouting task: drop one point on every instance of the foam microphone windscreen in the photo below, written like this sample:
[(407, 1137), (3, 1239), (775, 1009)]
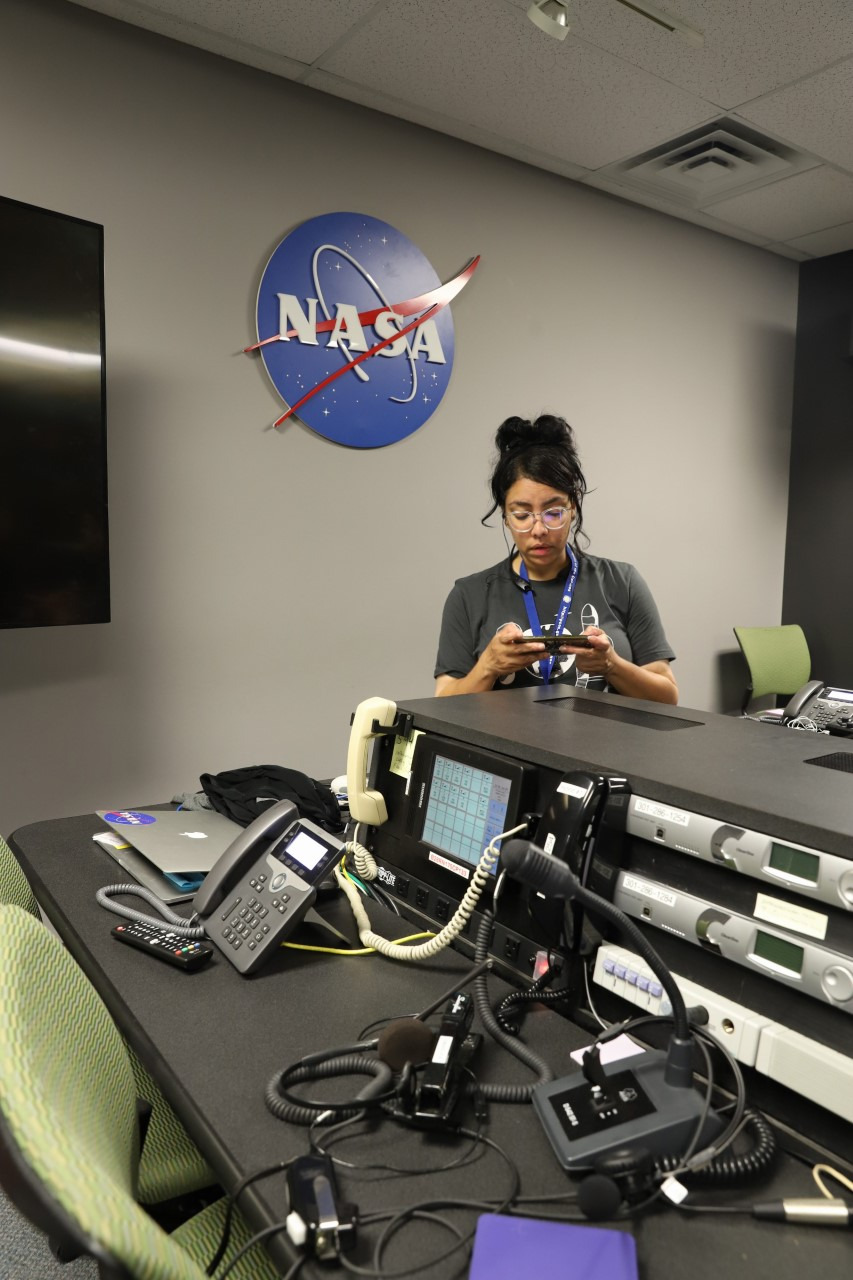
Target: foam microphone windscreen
[(599, 1197), (405, 1040)]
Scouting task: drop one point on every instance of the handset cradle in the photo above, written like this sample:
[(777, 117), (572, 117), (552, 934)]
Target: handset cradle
[(264, 885)]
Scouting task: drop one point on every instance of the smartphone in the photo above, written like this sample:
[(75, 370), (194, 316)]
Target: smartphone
[(553, 643)]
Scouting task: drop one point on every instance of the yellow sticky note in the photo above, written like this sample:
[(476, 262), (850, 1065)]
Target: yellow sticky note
[(404, 749)]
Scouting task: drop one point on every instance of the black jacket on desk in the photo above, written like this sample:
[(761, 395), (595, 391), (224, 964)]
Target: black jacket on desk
[(243, 794)]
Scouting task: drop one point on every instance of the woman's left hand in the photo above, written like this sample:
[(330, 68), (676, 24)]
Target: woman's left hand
[(597, 660)]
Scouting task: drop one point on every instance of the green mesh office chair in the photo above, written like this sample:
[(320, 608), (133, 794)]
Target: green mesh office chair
[(69, 1134), (171, 1165), (778, 659)]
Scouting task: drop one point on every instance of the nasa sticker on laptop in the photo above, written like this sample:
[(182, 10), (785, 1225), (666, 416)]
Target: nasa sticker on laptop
[(129, 817), (355, 330)]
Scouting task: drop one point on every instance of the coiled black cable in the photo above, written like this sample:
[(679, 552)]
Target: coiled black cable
[(729, 1168), (502, 1092), (307, 1111), (534, 994)]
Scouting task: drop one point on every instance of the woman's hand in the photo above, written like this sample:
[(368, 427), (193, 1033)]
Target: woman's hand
[(508, 651), (597, 659), (654, 681)]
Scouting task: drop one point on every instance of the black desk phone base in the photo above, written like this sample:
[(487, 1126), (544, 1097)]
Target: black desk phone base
[(264, 885)]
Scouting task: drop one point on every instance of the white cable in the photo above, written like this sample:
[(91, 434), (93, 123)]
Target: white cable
[(454, 926), (819, 1169), (803, 722), (365, 863)]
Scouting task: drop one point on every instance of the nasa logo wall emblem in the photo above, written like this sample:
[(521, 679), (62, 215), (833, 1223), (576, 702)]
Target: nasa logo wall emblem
[(355, 330)]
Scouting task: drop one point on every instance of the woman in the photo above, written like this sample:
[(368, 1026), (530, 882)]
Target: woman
[(547, 586)]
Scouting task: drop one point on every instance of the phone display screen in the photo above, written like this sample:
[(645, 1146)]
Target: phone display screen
[(307, 853), (838, 695)]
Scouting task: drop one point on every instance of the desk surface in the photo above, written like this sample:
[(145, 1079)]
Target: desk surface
[(213, 1040)]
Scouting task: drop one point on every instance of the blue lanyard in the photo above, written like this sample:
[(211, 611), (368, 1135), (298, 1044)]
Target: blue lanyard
[(546, 664)]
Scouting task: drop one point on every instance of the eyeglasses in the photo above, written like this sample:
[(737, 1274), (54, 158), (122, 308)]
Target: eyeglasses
[(522, 521)]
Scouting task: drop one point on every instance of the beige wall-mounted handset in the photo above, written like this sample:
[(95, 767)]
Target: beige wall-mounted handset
[(366, 806)]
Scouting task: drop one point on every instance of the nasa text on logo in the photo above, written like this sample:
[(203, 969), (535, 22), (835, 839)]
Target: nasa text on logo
[(130, 817), (355, 330)]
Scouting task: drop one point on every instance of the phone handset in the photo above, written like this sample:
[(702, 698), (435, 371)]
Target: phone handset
[(573, 811), (799, 703), (242, 853), (364, 805)]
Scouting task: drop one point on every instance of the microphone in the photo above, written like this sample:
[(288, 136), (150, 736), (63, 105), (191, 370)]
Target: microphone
[(405, 1040), (525, 861), (821, 1213), (599, 1101)]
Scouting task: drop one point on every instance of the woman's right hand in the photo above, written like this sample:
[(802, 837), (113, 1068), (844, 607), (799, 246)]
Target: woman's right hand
[(503, 655), (508, 651)]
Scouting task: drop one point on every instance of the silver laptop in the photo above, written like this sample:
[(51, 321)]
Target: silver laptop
[(165, 848)]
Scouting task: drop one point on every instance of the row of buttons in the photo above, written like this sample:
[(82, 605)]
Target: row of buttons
[(636, 977), (241, 933), (252, 914)]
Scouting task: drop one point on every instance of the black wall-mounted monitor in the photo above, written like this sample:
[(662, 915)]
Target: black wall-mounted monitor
[(54, 546)]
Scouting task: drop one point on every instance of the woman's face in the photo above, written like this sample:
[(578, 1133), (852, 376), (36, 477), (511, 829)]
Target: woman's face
[(542, 548)]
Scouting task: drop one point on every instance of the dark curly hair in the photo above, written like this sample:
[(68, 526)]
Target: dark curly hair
[(544, 451)]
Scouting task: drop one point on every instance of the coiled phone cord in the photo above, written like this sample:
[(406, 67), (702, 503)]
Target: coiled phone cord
[(456, 925), (178, 924)]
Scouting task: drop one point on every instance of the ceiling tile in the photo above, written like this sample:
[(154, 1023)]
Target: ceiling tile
[(675, 208), (751, 46), (284, 27), (476, 63), (820, 244), (809, 201), (816, 113)]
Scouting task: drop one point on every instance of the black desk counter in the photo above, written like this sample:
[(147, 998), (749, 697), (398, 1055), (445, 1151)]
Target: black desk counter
[(795, 785), (213, 1039)]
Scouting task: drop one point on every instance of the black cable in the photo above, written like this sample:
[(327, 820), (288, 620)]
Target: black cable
[(397, 1170), (397, 1218), (258, 1238), (534, 993), (503, 1092), (288, 1106), (231, 1205)]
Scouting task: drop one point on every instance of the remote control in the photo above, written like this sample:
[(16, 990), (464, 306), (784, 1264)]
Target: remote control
[(186, 953)]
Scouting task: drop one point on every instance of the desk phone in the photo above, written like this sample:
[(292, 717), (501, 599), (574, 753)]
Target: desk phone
[(263, 885), (827, 707)]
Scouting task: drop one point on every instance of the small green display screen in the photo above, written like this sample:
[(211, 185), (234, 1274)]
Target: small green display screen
[(779, 951), (794, 862)]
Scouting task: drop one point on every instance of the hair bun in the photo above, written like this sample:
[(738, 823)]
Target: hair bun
[(520, 433)]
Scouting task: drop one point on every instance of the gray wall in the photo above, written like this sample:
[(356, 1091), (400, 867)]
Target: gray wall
[(265, 582)]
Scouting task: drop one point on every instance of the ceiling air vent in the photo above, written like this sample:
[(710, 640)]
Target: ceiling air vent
[(716, 161)]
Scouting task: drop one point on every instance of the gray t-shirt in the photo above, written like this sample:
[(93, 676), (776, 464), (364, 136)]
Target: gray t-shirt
[(608, 593)]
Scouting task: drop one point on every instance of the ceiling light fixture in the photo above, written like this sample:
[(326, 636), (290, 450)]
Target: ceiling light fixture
[(666, 20), (550, 16)]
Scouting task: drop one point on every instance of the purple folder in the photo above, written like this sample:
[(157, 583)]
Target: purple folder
[(509, 1248)]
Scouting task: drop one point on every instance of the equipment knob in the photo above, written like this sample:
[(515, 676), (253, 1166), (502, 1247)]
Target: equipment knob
[(837, 983)]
